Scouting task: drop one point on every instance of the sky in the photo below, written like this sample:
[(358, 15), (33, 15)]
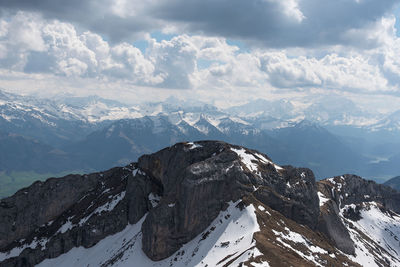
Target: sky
[(224, 52)]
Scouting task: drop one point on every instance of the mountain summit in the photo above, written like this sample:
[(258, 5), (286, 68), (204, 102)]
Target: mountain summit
[(206, 203)]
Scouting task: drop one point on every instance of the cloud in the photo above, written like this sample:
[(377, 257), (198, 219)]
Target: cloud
[(277, 23), (17, 36), (32, 44), (29, 43), (272, 23), (101, 16), (174, 60), (332, 71)]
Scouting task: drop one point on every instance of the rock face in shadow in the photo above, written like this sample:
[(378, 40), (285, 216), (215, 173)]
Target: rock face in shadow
[(332, 226), (55, 216), (38, 204)]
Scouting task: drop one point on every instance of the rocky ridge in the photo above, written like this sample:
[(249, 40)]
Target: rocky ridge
[(188, 193)]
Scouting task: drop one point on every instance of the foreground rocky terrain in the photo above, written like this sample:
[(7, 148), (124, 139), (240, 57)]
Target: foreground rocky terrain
[(207, 203)]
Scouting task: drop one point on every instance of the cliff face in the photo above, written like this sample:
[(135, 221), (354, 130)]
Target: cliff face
[(176, 195), (198, 181), (59, 214)]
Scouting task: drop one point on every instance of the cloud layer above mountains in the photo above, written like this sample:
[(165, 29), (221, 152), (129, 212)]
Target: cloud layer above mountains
[(229, 46), (271, 23)]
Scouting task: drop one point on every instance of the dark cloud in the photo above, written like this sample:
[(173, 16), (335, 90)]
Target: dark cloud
[(325, 22), (68, 10), (273, 23), (94, 15)]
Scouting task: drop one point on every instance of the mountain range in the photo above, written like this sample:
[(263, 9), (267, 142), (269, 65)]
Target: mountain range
[(86, 134), (205, 203)]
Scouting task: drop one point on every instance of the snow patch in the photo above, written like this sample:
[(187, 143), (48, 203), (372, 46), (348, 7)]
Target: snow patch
[(248, 159), (193, 145), (322, 199), (15, 252), (65, 227), (298, 238), (109, 206)]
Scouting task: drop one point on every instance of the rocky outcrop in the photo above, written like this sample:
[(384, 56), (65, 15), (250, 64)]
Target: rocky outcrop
[(176, 194), (198, 181), (350, 190), (181, 188), (80, 210), (40, 203), (296, 199), (355, 190)]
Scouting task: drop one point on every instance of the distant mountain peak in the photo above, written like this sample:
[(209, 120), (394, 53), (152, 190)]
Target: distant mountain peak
[(308, 125)]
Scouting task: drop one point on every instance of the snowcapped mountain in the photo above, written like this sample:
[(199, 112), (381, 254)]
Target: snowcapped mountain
[(328, 111), (390, 123), (206, 203), (84, 128), (125, 140), (88, 109), (339, 111), (280, 109), (261, 114)]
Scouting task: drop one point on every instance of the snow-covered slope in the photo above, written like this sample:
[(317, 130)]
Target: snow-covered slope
[(253, 235), (363, 208), (376, 235), (231, 233)]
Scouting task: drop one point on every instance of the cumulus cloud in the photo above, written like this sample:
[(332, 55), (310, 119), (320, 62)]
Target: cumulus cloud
[(331, 71), (30, 43), (18, 36), (174, 60)]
